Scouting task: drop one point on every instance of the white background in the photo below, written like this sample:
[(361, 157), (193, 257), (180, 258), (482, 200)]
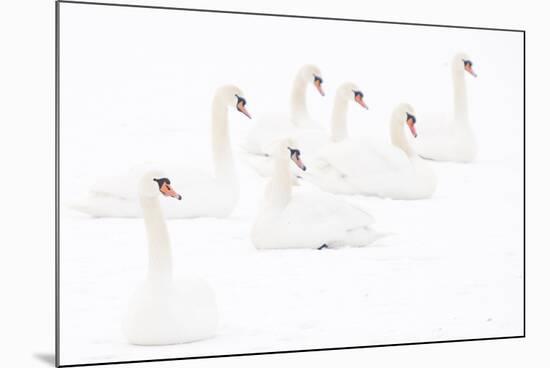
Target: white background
[(27, 184)]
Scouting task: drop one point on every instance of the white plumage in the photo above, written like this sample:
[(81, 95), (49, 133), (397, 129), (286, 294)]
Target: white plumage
[(298, 218), (164, 311), (207, 195), (296, 124), (364, 167), (451, 139)]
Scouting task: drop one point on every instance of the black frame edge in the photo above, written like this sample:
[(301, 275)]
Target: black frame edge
[(284, 15), (57, 183), (290, 351)]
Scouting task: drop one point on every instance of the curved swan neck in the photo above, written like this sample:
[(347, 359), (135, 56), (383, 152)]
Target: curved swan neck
[(298, 108), (160, 255), (339, 126), (460, 100), (222, 153), (280, 187), (397, 135)]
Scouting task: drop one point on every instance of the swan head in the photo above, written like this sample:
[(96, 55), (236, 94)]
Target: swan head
[(233, 97), (350, 92), (295, 156), (312, 74), (283, 147), (462, 62), (405, 113), (154, 183)]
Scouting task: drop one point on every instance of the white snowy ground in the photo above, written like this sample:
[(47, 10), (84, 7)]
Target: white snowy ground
[(142, 92)]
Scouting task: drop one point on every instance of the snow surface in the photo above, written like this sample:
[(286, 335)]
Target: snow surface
[(136, 86)]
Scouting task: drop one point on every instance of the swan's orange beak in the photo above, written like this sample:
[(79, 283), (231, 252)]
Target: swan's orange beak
[(298, 161), (470, 69), (359, 100), (167, 190), (242, 108), (410, 123), (318, 85)]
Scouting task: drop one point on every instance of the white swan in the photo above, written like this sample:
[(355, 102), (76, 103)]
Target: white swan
[(338, 122), (208, 195), (298, 124), (364, 167), (163, 311), (273, 127), (297, 219), (451, 140)]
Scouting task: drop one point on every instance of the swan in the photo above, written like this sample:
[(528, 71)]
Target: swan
[(163, 311), (345, 93), (338, 123), (271, 128), (452, 140), (368, 168), (295, 218), (208, 195)]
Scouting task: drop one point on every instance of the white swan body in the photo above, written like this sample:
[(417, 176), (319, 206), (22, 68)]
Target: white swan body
[(164, 311), (208, 195), (292, 218), (364, 167), (297, 124), (451, 140)]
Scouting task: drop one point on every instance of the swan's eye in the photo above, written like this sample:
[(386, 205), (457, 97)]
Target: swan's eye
[(468, 63), (316, 79), (162, 181), (411, 117), (358, 93), (240, 100), (294, 152)]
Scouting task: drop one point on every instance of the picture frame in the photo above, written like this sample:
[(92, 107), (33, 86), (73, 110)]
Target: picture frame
[(517, 259)]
